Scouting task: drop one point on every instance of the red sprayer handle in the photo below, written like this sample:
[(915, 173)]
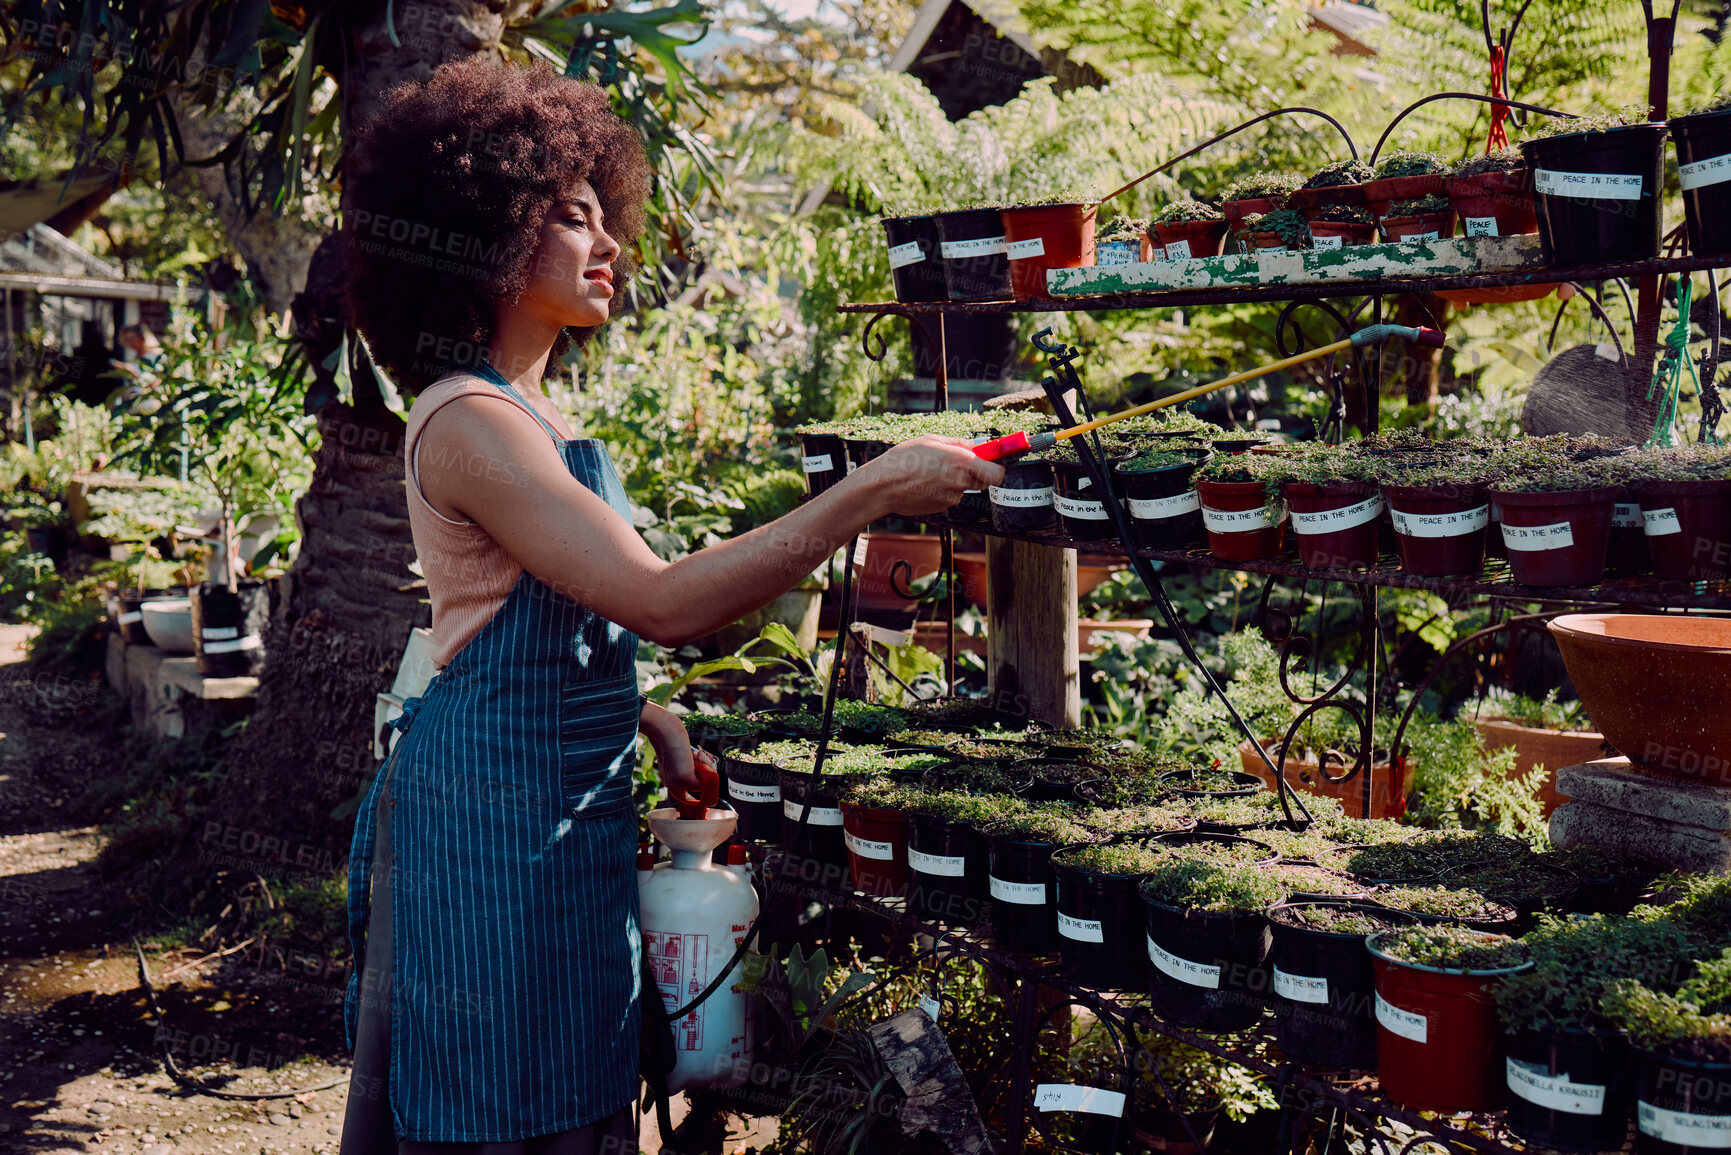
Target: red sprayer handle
[(708, 790), (1013, 444)]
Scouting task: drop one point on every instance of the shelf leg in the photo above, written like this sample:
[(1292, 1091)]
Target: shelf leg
[(1032, 664)]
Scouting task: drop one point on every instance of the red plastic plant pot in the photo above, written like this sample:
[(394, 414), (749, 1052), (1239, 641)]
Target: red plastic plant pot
[(1495, 204), (1310, 201), (1340, 234), (1241, 525), (1439, 529), (1187, 239), (1043, 237), (877, 849), (1557, 539), (1424, 227), (1236, 211), (1439, 1044), (1380, 194), (1688, 528), (1336, 523), (1267, 242)]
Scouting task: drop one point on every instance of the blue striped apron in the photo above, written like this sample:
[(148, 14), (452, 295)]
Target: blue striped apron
[(515, 976)]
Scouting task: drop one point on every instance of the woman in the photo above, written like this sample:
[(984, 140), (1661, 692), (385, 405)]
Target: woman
[(489, 208)]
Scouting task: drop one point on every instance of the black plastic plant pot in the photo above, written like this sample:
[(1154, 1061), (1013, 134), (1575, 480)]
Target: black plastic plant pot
[(1182, 783), (1165, 510), (1022, 501), (1569, 1089), (1325, 988), (971, 251), (1207, 969), (824, 460), (858, 453), (1019, 882), (228, 629), (1682, 1106), (947, 866), (915, 266), (129, 617), (975, 507), (1101, 935), (1704, 169), (754, 788), (819, 859), (1081, 507), (1238, 444), (1597, 194), (1058, 779), (1192, 837)]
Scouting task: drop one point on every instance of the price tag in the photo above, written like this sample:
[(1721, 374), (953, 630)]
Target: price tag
[(1300, 988), (1482, 227), (1020, 893), (1705, 172), (1117, 253), (1179, 251), (981, 247), (866, 848), (818, 463), (942, 865), (1626, 515), (1531, 1082), (1020, 250), (1660, 522), (220, 633), (930, 1006), (1182, 969), (1080, 929), (1239, 520), (1317, 242), (1441, 524), (130, 616), (1021, 498), (820, 815), (1334, 520), (1538, 537), (1086, 510), (1403, 1023), (1070, 1097), (250, 642), (1711, 1132), (906, 254), (1599, 186), (1159, 508), (752, 792)]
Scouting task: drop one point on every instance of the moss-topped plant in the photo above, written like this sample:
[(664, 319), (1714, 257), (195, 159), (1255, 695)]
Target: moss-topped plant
[(1576, 962), (1246, 810), (1049, 822), (1441, 902), (1338, 919), (1170, 421), (1191, 884), (1693, 1023), (1182, 212), (1208, 781), (739, 726), (1402, 164), (1344, 214), (1303, 878), (1275, 187), (1592, 122), (1122, 230), (1526, 885), (1718, 104), (1297, 845), (1339, 173), (1144, 819), (1219, 851), (797, 754), (1150, 460), (876, 790), (975, 778), (1287, 224), (1111, 858), (1419, 206), (862, 717), (955, 805), (1436, 853), (1499, 160), (1453, 948)]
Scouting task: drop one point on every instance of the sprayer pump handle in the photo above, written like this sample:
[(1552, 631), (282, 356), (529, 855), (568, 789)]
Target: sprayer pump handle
[(708, 791)]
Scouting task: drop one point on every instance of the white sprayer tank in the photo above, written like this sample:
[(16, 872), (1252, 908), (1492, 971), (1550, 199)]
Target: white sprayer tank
[(694, 913)]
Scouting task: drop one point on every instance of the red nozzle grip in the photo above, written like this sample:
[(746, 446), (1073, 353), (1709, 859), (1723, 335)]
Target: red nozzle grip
[(708, 792), (1432, 338), (1006, 446)]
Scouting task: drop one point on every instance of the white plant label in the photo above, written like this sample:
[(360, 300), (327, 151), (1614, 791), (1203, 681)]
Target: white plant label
[(1194, 973), (866, 848), (1599, 186), (220, 633), (1419, 238), (1070, 1097), (908, 254), (818, 463), (1333, 520), (1020, 893), (752, 792), (1533, 538), (1158, 508), (1705, 172), (1531, 1082), (1239, 520), (1021, 498), (1403, 1023), (859, 550), (1692, 1131), (1020, 250), (130, 616), (1482, 227), (1080, 929), (1117, 253), (981, 247), (1178, 251), (943, 865), (1626, 515), (1660, 522), (1317, 242), (1300, 988), (930, 1006), (1441, 524), (250, 642), (820, 815), (1085, 510)]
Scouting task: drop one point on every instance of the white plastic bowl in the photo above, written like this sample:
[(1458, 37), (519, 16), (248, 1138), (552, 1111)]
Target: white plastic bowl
[(168, 621)]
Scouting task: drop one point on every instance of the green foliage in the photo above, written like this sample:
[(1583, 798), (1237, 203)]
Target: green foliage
[(1400, 164), (1271, 186), (1340, 172), (1502, 160), (1434, 203), (1693, 1023), (1345, 920), (1458, 783), (1131, 229), (1578, 960), (1292, 228), (1049, 822), (1453, 948), (1195, 884), (1111, 858), (1179, 212), (1440, 902)]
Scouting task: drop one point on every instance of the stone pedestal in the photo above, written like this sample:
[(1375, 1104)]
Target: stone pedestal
[(1679, 824)]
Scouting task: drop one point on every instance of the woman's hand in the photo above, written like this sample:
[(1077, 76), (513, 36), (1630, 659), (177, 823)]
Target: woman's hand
[(675, 760), (928, 474)]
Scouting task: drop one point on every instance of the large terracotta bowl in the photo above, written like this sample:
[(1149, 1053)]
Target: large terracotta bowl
[(1658, 686)]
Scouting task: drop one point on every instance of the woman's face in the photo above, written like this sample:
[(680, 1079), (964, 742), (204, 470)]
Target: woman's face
[(571, 275)]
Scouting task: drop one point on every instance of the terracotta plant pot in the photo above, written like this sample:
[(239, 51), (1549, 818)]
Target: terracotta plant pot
[(1703, 157), (1539, 749), (1267, 242), (1495, 204), (1310, 201), (1380, 194), (1188, 239), (1688, 528), (1236, 211), (1341, 234), (1042, 237), (971, 250), (1557, 539), (1439, 529), (1424, 227), (878, 576), (915, 269), (1241, 526), (1598, 193), (877, 849), (1658, 686), (1336, 523), (1387, 781)]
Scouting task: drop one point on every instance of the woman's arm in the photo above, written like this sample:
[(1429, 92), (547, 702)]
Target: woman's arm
[(491, 463)]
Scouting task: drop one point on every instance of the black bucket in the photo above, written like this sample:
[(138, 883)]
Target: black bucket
[(947, 866), (1704, 166), (1598, 194), (824, 460), (1680, 1099), (754, 788), (971, 248), (914, 265), (1569, 1089), (1165, 511), (1325, 990), (1081, 508), (1022, 501), (1024, 907), (821, 859), (228, 629), (1102, 936), (1207, 969)]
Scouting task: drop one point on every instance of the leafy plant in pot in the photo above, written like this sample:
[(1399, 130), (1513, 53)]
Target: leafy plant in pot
[(1334, 186), (875, 833), (1324, 984), (1245, 522), (1101, 937), (1055, 234), (1682, 1044), (1703, 141), (1493, 195), (1279, 230), (1262, 193), (947, 860), (1440, 512), (1019, 846), (1556, 520), (1123, 241), (1685, 499), (1187, 229), (1547, 735), (1426, 218), (1597, 183), (1165, 510), (1332, 499), (1404, 176), (1439, 1044), (1341, 226)]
